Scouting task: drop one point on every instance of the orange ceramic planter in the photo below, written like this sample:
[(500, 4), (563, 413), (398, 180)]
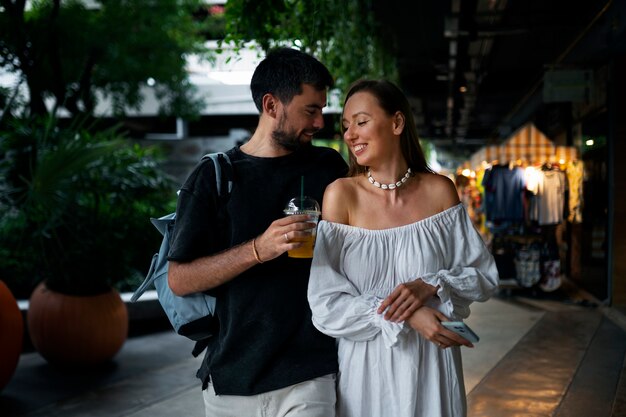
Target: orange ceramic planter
[(77, 330), (11, 334)]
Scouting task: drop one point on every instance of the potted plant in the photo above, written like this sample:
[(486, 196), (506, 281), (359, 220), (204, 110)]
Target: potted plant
[(75, 226), (11, 334)]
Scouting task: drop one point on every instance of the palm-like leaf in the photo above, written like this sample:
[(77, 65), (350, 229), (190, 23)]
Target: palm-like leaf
[(76, 206)]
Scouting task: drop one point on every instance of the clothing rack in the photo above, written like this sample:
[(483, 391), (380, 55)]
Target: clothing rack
[(526, 250)]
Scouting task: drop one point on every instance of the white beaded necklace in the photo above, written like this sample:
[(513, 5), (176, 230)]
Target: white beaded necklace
[(391, 186)]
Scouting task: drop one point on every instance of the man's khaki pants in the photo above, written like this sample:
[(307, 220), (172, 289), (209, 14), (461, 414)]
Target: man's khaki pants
[(314, 398)]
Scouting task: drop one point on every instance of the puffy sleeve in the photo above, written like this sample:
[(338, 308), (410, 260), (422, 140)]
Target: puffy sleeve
[(470, 273), (339, 310)]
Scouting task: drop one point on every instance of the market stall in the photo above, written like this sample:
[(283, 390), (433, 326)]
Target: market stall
[(521, 195)]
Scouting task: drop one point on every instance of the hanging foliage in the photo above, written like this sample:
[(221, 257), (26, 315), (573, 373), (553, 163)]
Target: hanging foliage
[(342, 34)]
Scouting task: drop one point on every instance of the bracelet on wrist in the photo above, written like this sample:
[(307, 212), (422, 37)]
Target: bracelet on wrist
[(255, 252)]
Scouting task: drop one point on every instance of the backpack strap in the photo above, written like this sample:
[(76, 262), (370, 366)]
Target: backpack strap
[(217, 157), (199, 347)]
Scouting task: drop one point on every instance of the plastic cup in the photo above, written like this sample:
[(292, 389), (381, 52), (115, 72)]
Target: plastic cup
[(304, 205)]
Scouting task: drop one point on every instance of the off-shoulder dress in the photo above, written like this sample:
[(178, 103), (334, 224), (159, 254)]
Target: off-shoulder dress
[(386, 368)]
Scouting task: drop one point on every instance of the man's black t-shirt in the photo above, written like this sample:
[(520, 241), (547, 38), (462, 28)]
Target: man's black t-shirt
[(266, 339)]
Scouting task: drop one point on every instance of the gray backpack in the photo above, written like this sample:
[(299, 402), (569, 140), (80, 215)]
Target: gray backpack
[(191, 316)]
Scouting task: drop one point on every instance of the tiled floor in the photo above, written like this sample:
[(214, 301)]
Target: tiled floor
[(538, 356)]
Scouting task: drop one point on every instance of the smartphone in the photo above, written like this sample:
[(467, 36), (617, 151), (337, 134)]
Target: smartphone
[(461, 329)]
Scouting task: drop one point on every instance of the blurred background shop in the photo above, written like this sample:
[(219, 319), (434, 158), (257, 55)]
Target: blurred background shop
[(532, 202), (547, 194)]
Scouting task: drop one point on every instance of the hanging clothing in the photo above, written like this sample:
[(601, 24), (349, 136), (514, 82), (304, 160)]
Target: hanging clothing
[(504, 193), (574, 171), (548, 201), (387, 368)]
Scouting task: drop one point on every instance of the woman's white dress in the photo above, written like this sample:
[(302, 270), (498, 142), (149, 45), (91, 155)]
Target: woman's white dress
[(387, 369)]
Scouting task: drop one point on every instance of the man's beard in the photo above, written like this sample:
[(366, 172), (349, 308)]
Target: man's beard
[(287, 140)]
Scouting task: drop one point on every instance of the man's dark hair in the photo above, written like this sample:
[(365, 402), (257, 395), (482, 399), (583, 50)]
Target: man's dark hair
[(282, 73)]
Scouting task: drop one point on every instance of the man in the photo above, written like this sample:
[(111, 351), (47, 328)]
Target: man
[(266, 359)]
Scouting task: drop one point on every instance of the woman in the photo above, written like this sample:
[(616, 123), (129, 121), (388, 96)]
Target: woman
[(396, 254)]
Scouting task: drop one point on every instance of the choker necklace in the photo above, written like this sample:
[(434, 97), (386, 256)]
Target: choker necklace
[(391, 186)]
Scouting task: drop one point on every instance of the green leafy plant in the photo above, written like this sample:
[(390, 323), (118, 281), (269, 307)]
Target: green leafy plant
[(343, 34), (75, 52), (74, 207)]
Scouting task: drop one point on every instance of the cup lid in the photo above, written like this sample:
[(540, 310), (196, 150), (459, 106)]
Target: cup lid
[(302, 205)]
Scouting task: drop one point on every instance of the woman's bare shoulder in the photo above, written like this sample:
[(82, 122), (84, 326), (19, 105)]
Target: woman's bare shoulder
[(344, 185), (441, 189), (338, 199)]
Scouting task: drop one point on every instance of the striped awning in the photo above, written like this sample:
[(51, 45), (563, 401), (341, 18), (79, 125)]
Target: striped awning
[(529, 145), (566, 153)]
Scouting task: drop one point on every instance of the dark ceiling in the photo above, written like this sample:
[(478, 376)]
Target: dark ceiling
[(498, 51)]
